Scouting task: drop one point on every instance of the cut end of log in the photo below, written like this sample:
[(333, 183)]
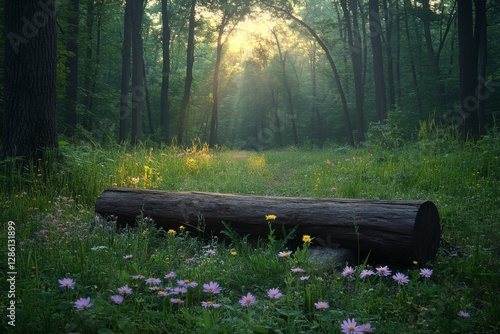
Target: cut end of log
[(426, 233)]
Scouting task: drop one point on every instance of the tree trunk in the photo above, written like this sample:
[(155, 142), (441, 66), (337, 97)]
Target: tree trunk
[(70, 116), (125, 80), (467, 58), (189, 75), (215, 91), (412, 61), (29, 126), (389, 21), (402, 230), (480, 44), (355, 50), (164, 99), (138, 93), (378, 61), (336, 76)]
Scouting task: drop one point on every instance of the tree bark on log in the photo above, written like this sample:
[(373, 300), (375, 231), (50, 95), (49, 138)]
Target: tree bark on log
[(400, 230)]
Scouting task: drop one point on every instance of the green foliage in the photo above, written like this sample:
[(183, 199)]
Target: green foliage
[(58, 236)]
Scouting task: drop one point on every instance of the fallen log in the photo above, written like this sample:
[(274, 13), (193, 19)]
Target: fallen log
[(401, 230)]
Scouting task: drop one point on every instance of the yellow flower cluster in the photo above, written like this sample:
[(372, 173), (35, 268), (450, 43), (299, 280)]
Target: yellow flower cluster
[(306, 238), (271, 217)]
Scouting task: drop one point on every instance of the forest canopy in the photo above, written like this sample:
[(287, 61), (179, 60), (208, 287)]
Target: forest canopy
[(259, 74)]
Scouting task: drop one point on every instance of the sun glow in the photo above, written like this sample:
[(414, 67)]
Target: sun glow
[(244, 35)]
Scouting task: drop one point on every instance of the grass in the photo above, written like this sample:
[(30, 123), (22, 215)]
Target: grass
[(58, 236)]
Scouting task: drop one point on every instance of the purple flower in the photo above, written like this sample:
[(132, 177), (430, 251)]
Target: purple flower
[(125, 290), (209, 304), (67, 283), (383, 271), (137, 277), (366, 272), (285, 254), (349, 327), (348, 271), (179, 290), (425, 272), (117, 299), (274, 293), (297, 270), (83, 303), (321, 305), (210, 252), (187, 283), (153, 281), (127, 257), (304, 278), (247, 300), (176, 301), (212, 287), (366, 328), (463, 314), (170, 275), (401, 278)]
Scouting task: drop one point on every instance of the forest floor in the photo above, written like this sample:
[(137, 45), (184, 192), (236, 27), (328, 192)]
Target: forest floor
[(70, 271)]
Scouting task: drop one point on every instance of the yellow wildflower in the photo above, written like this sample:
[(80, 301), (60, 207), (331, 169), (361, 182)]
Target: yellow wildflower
[(306, 238), (271, 217), (182, 227), (172, 232), (233, 252)]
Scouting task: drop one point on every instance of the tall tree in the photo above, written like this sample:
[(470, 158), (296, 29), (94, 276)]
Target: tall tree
[(188, 81), (378, 60), (125, 80), (138, 91), (470, 41), (231, 13), (70, 111), (355, 50), (333, 66), (164, 100), (30, 78)]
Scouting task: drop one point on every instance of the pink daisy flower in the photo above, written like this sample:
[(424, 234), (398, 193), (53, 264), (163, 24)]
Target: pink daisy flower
[(67, 283), (383, 271), (401, 278), (153, 281), (117, 299), (209, 304), (285, 254), (83, 303), (425, 272), (274, 293), (348, 271), (247, 300), (463, 314), (297, 270), (125, 290), (170, 275), (321, 305), (349, 326), (212, 287)]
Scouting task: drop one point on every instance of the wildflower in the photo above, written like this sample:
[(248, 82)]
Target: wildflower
[(401, 278), (349, 327), (124, 290), (233, 252), (176, 301), (321, 305), (209, 304), (304, 278), (96, 248), (187, 283), (83, 303), (153, 281), (138, 277), (285, 254), (162, 293), (297, 270), (274, 293), (117, 299), (367, 328), (247, 300), (67, 283), (179, 290), (306, 238), (383, 271), (170, 275), (425, 272), (463, 314), (182, 227), (348, 271), (190, 260), (366, 272), (172, 232), (154, 288), (127, 257), (212, 287), (210, 252), (271, 217)]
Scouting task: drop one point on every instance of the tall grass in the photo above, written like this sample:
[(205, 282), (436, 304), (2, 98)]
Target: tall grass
[(58, 236)]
